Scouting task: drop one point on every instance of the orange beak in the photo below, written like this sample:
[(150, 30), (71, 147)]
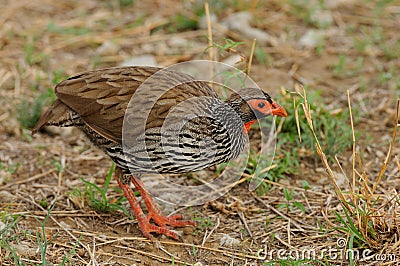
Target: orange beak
[(278, 110)]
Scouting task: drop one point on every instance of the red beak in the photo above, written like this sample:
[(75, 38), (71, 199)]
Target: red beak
[(278, 110)]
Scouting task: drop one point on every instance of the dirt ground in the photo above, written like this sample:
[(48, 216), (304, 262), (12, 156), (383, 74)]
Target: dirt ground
[(328, 46)]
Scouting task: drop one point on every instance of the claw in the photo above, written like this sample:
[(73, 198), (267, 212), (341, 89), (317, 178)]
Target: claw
[(155, 213), (163, 222), (148, 228)]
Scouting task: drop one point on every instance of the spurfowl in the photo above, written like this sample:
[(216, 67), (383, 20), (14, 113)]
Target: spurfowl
[(96, 102)]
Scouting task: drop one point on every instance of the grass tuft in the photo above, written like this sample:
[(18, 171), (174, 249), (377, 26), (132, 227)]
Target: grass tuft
[(28, 112), (97, 196), (333, 126), (366, 219)]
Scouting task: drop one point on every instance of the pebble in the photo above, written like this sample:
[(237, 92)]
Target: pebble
[(24, 250), (311, 38), (241, 22), (228, 241), (65, 225), (6, 196), (108, 48), (380, 154), (175, 41), (203, 21), (232, 60), (339, 3), (141, 60), (5, 176), (323, 18), (2, 225), (341, 180)]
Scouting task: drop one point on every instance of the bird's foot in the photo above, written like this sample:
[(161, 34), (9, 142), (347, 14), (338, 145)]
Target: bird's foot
[(154, 213), (168, 221), (146, 227)]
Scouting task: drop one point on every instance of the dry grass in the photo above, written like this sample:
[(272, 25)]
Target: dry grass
[(368, 216), (356, 199)]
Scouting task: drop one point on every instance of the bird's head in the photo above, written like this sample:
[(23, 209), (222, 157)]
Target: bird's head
[(252, 104)]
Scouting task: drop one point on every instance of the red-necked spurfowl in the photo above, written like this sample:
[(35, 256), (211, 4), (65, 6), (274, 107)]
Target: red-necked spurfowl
[(96, 102)]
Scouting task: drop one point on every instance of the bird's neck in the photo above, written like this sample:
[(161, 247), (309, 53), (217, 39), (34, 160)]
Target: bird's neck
[(228, 120), (227, 115)]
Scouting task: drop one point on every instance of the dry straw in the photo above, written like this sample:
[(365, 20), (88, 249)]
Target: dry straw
[(361, 200)]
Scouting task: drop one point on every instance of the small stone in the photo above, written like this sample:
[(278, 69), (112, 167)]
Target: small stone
[(320, 170), (2, 226), (198, 264), (311, 38), (24, 250), (6, 196), (65, 225), (380, 154), (323, 18), (203, 24), (232, 60), (228, 241), (177, 42), (142, 60), (147, 48), (341, 180), (5, 176), (241, 22), (339, 3), (108, 48)]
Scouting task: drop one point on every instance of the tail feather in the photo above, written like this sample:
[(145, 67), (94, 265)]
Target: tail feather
[(55, 115)]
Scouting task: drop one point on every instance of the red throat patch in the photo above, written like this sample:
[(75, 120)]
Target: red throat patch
[(247, 126)]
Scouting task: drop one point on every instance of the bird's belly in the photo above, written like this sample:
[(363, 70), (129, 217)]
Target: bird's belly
[(169, 154), (170, 158)]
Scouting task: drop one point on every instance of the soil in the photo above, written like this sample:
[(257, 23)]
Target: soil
[(44, 41)]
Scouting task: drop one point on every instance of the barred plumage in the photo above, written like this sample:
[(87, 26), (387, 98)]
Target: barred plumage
[(188, 128)]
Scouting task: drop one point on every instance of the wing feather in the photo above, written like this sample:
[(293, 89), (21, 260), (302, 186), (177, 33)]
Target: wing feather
[(101, 97)]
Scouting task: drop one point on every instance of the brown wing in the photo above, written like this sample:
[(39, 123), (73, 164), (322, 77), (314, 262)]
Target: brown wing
[(101, 97), (57, 114)]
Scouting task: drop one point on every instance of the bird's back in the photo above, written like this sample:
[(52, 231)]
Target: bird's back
[(98, 102), (100, 98)]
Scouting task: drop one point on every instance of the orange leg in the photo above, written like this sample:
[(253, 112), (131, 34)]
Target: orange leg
[(144, 225), (155, 213)]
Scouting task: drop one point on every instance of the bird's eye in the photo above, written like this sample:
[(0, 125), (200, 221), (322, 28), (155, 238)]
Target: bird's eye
[(261, 105)]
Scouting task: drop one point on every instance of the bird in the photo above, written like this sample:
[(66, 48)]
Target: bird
[(98, 102)]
